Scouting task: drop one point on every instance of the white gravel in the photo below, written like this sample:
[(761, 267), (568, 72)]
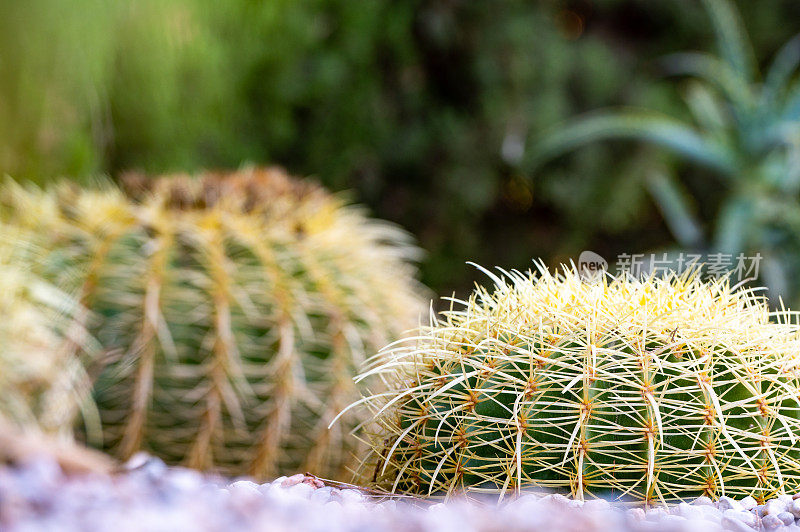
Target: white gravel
[(151, 496)]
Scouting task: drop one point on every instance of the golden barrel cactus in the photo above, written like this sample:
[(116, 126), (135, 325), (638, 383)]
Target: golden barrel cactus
[(232, 310), (654, 390)]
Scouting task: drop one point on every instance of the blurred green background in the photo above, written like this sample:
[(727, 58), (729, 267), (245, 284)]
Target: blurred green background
[(425, 110)]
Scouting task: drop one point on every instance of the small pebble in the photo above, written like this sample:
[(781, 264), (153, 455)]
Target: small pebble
[(301, 490), (711, 512), (244, 484), (137, 460), (747, 518), (332, 505), (314, 482), (688, 511), (735, 525), (771, 522), (244, 488), (322, 494), (294, 479), (748, 503), (775, 506), (351, 496), (727, 503), (786, 517), (703, 501)]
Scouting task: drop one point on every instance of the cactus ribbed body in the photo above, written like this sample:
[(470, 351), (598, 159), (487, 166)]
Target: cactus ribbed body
[(232, 310), (654, 390)]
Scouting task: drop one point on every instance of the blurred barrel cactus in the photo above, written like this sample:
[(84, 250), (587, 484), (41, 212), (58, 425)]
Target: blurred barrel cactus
[(654, 390), (232, 310), (42, 387)]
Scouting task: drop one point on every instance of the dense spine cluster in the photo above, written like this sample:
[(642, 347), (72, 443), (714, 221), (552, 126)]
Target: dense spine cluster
[(232, 311), (654, 390), (41, 387)]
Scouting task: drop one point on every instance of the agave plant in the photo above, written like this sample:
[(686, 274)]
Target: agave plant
[(232, 310), (744, 127)]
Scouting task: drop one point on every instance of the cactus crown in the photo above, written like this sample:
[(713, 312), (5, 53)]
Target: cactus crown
[(261, 190), (654, 390), (233, 310)]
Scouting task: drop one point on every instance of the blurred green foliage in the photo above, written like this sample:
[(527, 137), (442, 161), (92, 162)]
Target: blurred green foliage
[(420, 107), (744, 127)]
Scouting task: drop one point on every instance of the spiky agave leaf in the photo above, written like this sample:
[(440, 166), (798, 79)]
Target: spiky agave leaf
[(654, 390), (233, 310)]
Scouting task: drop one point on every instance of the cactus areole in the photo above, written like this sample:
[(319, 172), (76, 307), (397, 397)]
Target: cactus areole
[(650, 390)]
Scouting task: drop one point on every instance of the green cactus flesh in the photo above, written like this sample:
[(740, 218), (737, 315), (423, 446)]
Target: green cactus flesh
[(655, 390), (233, 311)]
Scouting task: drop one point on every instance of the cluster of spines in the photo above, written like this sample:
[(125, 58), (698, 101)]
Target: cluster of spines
[(653, 390), (41, 386)]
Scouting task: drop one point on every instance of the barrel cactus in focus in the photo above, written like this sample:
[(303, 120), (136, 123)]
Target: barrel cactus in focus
[(655, 390), (232, 310), (42, 387)]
